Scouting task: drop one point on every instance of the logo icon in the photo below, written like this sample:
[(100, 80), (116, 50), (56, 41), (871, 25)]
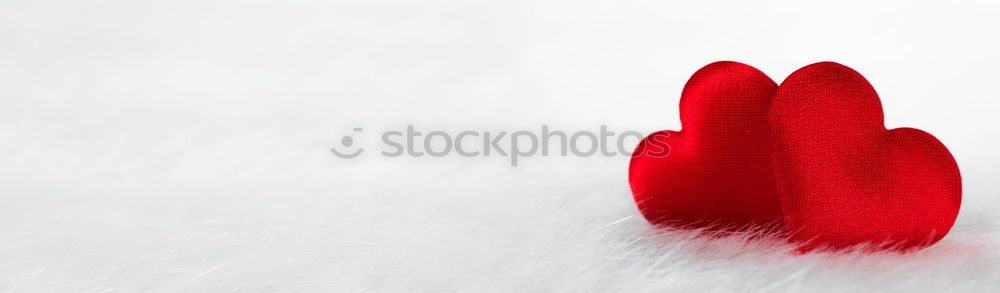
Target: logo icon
[(347, 141)]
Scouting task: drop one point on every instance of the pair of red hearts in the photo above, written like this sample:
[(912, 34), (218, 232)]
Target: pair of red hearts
[(811, 156)]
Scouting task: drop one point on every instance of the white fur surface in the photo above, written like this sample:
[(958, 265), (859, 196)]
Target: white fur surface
[(182, 146)]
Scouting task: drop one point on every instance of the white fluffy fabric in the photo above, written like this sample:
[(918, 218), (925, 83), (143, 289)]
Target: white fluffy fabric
[(183, 146)]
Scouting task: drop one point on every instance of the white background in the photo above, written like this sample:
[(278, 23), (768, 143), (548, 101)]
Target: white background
[(183, 145)]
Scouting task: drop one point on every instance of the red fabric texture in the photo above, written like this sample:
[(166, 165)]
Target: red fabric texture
[(844, 179), (811, 156), (716, 172)]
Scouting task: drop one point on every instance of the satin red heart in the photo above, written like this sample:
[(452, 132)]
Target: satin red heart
[(717, 171), (844, 179), (833, 174)]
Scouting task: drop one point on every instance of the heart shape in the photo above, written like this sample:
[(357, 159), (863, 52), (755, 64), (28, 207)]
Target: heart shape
[(844, 179), (715, 173)]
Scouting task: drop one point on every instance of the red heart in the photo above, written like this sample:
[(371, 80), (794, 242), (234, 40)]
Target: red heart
[(844, 179), (716, 172)]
